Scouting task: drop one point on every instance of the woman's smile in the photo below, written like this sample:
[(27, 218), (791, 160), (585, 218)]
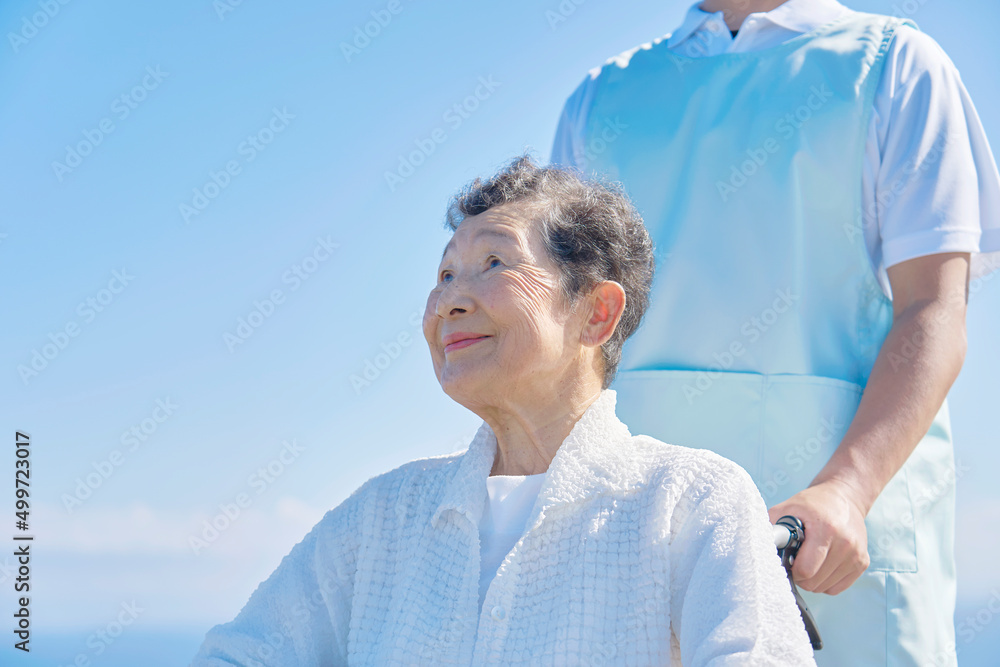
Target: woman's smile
[(463, 341)]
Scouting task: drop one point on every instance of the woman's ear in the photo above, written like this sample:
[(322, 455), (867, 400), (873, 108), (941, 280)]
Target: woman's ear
[(605, 305)]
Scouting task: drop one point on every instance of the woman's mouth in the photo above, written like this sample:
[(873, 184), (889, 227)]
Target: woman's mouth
[(465, 342)]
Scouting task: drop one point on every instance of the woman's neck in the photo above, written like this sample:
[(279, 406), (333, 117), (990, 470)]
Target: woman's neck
[(530, 432)]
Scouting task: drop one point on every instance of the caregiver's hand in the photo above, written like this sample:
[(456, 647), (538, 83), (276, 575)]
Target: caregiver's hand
[(835, 551)]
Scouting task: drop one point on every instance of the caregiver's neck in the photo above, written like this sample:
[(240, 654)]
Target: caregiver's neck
[(735, 11)]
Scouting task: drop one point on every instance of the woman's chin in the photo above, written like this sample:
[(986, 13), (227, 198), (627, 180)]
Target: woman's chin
[(464, 388)]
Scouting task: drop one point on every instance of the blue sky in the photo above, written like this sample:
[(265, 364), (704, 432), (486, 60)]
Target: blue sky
[(223, 162)]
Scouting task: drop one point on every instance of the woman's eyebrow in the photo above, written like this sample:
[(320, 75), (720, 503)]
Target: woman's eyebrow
[(506, 236)]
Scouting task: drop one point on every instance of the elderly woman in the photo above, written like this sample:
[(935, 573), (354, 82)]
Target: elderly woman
[(557, 537)]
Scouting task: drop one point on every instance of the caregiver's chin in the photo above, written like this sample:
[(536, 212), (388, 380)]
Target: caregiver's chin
[(509, 343)]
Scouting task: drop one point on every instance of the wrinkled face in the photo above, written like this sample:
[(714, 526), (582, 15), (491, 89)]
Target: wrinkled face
[(496, 322)]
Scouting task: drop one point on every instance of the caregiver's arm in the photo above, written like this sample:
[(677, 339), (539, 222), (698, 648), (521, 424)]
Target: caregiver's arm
[(914, 370)]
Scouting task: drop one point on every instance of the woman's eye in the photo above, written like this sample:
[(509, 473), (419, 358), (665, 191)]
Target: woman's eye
[(494, 262), (445, 276)]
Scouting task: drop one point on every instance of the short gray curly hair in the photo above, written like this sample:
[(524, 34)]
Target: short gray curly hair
[(591, 230)]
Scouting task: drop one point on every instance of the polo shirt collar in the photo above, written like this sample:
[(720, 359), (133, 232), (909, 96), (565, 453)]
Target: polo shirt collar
[(693, 20), (795, 15), (805, 15)]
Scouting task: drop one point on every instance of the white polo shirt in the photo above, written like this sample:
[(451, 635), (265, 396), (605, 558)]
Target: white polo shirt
[(930, 182)]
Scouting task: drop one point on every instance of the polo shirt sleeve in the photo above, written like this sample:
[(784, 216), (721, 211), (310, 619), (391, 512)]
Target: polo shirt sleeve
[(937, 186), (730, 600), (299, 616)]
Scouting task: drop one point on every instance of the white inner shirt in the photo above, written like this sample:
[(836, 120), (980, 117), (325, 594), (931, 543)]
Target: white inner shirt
[(930, 183), (509, 500)]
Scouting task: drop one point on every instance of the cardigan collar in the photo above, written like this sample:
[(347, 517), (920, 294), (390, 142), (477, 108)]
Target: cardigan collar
[(589, 461)]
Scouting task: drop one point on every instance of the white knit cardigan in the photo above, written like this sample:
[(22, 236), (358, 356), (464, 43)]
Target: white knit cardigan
[(637, 553)]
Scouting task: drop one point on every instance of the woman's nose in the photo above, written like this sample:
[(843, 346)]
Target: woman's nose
[(454, 299)]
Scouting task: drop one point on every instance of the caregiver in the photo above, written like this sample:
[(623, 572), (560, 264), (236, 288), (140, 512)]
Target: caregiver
[(821, 189), (557, 537)]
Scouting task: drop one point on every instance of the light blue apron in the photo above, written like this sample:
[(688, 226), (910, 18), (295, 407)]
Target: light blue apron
[(766, 316)]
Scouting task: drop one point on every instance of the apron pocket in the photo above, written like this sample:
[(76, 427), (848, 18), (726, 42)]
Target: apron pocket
[(806, 418)]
